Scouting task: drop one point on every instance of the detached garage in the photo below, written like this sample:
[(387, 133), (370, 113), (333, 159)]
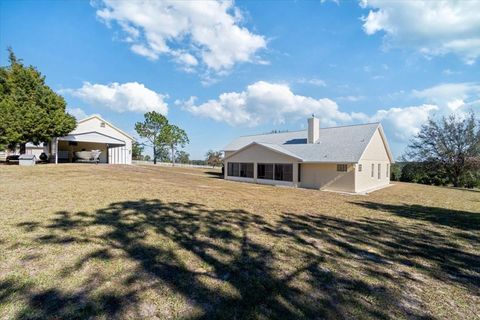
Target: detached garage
[(94, 136)]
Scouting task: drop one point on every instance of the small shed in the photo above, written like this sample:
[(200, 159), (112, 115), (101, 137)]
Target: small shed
[(27, 160)]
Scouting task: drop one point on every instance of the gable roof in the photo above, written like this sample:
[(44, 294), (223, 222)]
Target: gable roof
[(274, 147), (336, 144), (103, 120)]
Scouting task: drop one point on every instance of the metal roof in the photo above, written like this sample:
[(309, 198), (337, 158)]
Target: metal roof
[(95, 137), (335, 144)]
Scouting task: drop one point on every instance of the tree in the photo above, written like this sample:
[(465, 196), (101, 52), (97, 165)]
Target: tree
[(146, 158), (214, 158), (137, 150), (163, 154), (451, 144), (172, 136), (30, 111), (182, 157), (151, 128)]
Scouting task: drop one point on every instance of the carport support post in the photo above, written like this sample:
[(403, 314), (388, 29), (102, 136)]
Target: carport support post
[(56, 150)]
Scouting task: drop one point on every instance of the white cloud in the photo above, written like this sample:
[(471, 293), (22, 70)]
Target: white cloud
[(78, 113), (445, 93), (263, 102), (313, 82), (190, 32), (404, 122), (440, 100), (130, 96), (432, 27)]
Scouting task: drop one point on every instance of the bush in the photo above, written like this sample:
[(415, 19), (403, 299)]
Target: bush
[(424, 173), (470, 179)]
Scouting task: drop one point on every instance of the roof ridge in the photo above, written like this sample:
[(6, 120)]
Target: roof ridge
[(266, 134), (353, 125), (343, 126)]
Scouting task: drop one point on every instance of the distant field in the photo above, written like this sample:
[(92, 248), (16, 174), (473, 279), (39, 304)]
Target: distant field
[(102, 242)]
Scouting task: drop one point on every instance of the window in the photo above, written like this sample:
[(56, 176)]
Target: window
[(388, 170), (360, 168), (283, 172), (341, 167), (373, 170), (379, 171), (265, 171), (237, 169)]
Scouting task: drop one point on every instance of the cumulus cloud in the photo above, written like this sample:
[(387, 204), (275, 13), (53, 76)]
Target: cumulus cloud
[(404, 122), (190, 32), (431, 27), (78, 113), (130, 96), (263, 102), (445, 93), (439, 100)]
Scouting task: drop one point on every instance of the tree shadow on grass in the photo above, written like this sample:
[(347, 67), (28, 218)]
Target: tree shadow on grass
[(214, 174), (464, 220), (233, 264)]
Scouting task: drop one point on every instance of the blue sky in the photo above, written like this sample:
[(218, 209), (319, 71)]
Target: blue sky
[(220, 70)]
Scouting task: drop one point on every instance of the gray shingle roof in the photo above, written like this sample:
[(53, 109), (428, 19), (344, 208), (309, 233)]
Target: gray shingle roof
[(336, 144)]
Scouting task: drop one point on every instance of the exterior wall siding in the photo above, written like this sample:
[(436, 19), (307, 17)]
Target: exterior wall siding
[(228, 153), (374, 154), (324, 176)]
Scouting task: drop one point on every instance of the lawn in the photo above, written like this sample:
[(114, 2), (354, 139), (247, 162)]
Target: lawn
[(98, 241)]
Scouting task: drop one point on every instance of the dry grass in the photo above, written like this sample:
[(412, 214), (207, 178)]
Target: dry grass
[(82, 241)]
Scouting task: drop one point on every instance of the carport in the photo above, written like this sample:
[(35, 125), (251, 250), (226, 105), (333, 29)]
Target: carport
[(111, 148)]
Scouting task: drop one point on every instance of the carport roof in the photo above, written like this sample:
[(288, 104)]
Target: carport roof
[(94, 137)]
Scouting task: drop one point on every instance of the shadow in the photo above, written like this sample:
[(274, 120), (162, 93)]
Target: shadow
[(234, 264), (214, 174), (464, 220), (462, 189)]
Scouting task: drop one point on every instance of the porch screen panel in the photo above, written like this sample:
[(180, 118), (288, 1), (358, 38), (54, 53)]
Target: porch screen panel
[(283, 172), (265, 171), (240, 169)]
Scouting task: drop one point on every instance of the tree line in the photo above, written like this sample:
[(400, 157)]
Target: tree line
[(444, 152)]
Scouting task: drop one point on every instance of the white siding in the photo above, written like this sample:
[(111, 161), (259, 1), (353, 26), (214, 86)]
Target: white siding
[(375, 154), (116, 155)]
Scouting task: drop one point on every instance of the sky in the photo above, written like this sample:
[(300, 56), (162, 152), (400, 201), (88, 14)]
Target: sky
[(220, 70)]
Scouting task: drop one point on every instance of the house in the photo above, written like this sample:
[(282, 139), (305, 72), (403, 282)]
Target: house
[(354, 159), (92, 133)]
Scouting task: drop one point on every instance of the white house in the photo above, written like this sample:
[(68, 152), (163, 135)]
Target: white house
[(92, 133), (353, 159)]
